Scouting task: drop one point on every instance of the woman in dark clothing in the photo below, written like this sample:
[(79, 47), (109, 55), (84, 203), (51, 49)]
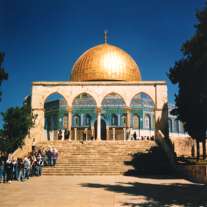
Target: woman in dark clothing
[(60, 134), (2, 168), (21, 169), (9, 169), (135, 136)]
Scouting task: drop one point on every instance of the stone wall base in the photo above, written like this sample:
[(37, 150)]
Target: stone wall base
[(196, 173), (185, 146)]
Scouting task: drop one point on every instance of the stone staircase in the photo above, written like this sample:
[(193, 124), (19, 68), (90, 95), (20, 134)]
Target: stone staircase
[(95, 158)]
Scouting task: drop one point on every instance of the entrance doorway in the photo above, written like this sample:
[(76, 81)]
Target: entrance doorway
[(103, 129)]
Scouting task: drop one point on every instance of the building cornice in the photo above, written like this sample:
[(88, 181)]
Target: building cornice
[(97, 83)]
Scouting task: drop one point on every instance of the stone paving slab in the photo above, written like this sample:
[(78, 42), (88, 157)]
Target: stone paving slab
[(103, 191)]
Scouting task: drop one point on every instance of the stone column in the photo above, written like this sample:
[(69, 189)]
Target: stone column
[(37, 131), (70, 121), (119, 119), (92, 132), (114, 134), (161, 110), (128, 110), (124, 129), (156, 117), (98, 111), (75, 134), (107, 132), (86, 131)]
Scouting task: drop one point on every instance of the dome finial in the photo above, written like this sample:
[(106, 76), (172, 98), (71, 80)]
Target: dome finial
[(105, 36)]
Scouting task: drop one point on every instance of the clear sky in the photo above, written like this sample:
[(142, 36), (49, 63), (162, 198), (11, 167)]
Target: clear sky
[(43, 38)]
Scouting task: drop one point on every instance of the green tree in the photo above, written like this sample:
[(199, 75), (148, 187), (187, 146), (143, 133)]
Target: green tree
[(3, 74), (17, 122), (190, 73)]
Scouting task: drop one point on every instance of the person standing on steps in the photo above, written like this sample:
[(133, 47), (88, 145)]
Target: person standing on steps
[(66, 134), (60, 136), (83, 138), (55, 156), (33, 145), (49, 156), (135, 136)]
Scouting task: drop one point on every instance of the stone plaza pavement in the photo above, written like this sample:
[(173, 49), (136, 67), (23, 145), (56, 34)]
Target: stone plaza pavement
[(103, 191)]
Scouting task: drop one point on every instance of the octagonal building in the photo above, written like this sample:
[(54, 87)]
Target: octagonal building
[(105, 99)]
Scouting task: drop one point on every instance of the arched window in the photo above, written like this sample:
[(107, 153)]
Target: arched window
[(170, 125), (84, 100), (141, 104), (113, 100), (136, 122), (113, 106), (147, 121), (55, 107), (142, 100), (124, 120), (76, 120), (87, 120), (84, 104), (114, 120)]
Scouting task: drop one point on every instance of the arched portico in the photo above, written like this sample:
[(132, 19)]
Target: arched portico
[(99, 91)]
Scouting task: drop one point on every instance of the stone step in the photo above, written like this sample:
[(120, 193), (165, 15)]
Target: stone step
[(87, 166), (99, 158), (86, 151), (109, 162), (115, 151), (94, 158), (84, 174), (87, 170)]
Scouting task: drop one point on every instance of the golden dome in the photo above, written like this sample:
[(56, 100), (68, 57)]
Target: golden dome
[(105, 62)]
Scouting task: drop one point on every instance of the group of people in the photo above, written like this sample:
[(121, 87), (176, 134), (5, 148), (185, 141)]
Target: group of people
[(21, 169), (65, 135), (135, 137)]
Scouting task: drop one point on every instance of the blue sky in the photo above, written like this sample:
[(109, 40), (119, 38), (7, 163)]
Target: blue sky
[(42, 39)]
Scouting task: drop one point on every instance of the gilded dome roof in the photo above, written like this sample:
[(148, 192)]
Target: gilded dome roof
[(105, 62)]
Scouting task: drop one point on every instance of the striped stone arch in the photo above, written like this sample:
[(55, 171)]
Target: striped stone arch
[(40, 96), (115, 95), (141, 97), (87, 95), (54, 93), (84, 104)]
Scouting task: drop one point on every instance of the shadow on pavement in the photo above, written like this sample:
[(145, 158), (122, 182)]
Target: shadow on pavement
[(159, 195)]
